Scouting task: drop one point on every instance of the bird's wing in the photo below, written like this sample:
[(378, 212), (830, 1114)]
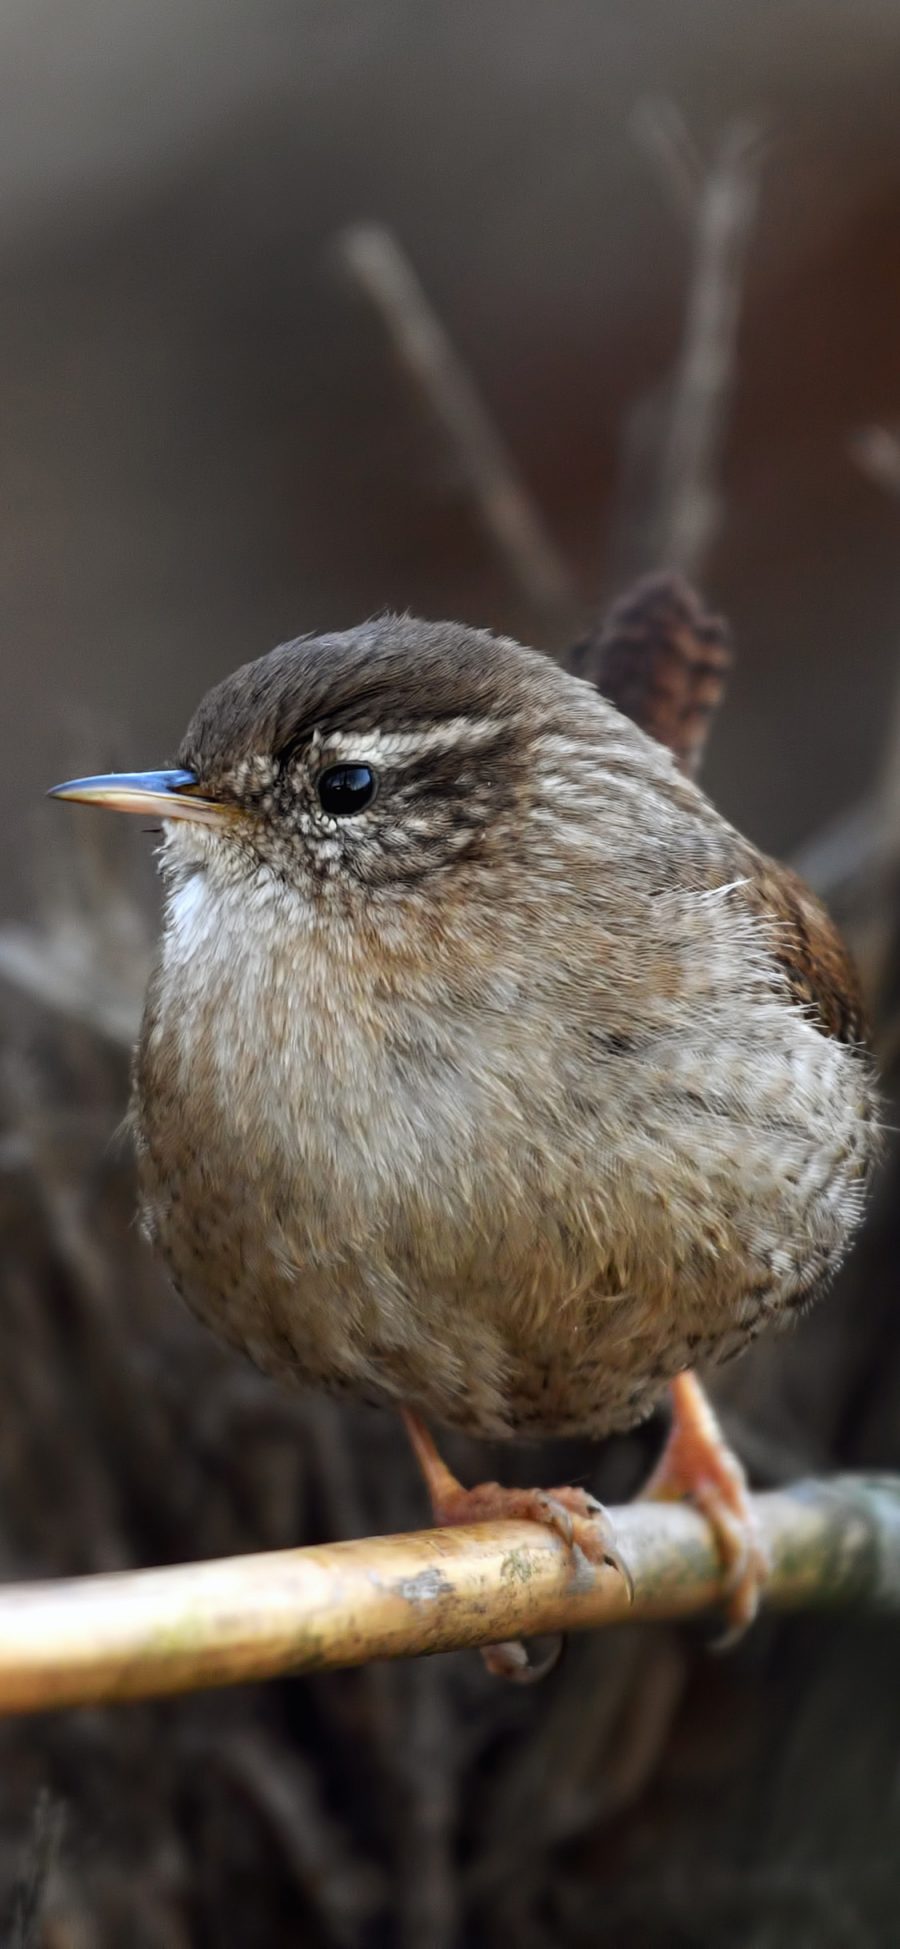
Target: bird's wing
[(808, 949)]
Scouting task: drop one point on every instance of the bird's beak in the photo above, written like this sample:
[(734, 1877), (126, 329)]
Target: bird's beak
[(162, 794)]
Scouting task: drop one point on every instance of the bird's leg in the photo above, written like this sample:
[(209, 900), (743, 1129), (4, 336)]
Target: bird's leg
[(697, 1464), (575, 1516)]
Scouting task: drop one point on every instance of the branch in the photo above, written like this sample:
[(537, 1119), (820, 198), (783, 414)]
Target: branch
[(69, 984), (374, 260), (669, 505), (87, 957), (662, 132), (145, 1633), (876, 450), (689, 499)]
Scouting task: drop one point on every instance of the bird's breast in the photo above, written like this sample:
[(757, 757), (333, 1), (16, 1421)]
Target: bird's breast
[(462, 1188)]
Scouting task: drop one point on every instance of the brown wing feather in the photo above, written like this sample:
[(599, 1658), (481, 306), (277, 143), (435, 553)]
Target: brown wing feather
[(662, 659), (809, 950)]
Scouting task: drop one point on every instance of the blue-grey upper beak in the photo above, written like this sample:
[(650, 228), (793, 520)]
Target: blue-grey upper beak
[(162, 794)]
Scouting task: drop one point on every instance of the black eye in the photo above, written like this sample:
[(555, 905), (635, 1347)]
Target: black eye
[(345, 789)]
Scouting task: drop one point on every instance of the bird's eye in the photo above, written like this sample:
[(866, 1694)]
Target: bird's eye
[(345, 789)]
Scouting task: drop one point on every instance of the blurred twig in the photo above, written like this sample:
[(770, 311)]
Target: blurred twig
[(660, 128), (852, 861), (837, 860), (150, 1632), (26, 1931), (372, 257), (876, 450), (87, 959), (670, 503), (68, 984), (689, 502), (285, 1792)]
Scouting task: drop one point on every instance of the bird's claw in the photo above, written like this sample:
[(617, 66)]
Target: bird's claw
[(511, 1662), (587, 1526), (574, 1515), (698, 1466), (551, 1511), (747, 1562), (577, 1518)]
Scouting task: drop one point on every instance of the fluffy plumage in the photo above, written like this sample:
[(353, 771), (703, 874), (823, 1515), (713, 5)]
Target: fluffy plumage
[(517, 1093)]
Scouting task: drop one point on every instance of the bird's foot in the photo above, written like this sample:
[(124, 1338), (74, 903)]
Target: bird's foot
[(575, 1516), (697, 1465)]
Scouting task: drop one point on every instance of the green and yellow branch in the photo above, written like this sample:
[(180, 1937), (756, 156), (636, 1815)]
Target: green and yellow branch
[(145, 1633)]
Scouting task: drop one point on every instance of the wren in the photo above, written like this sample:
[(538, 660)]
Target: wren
[(485, 1070)]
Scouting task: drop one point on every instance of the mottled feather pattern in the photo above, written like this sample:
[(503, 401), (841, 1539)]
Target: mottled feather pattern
[(808, 949), (541, 1110)]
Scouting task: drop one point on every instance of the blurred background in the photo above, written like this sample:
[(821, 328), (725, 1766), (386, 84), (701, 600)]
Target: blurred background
[(652, 254)]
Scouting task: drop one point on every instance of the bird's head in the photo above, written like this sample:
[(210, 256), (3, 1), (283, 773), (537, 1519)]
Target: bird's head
[(398, 755), (423, 801)]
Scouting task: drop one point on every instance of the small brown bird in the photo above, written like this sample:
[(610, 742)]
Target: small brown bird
[(485, 1070)]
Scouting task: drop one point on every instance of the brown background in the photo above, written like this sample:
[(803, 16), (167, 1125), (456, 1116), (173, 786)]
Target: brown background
[(206, 448)]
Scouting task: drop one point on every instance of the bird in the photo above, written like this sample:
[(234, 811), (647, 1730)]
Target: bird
[(486, 1071)]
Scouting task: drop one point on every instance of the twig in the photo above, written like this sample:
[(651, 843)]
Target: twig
[(374, 260), (689, 499), (669, 505), (67, 985), (838, 859), (87, 958), (287, 1794), (151, 1632), (41, 1855), (662, 132), (876, 450)]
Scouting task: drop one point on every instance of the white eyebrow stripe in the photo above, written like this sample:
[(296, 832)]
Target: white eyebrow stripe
[(375, 744)]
